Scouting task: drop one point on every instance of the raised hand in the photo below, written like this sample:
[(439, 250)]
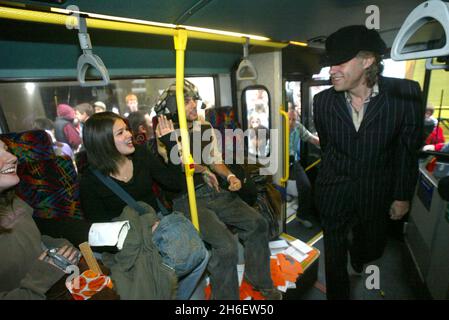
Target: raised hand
[(164, 126)]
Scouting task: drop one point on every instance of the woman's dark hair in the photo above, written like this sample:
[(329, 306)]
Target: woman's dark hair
[(6, 200), (98, 139)]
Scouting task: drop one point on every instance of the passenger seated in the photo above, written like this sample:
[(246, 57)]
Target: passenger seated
[(142, 129), (48, 184), (435, 139), (218, 207), (26, 270), (112, 155)]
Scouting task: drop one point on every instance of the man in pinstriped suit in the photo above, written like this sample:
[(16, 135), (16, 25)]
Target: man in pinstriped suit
[(370, 130)]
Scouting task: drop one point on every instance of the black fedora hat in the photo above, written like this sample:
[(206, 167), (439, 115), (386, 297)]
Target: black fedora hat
[(347, 42)]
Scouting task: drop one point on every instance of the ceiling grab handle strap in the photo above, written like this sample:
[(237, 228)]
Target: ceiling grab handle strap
[(88, 59), (425, 12), (246, 70)]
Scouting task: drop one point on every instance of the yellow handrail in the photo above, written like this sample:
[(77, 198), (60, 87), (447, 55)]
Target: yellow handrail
[(110, 24), (312, 165), (180, 40), (283, 113)]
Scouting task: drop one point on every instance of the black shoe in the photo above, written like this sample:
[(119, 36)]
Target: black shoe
[(271, 294), (268, 294), (306, 223), (304, 219)]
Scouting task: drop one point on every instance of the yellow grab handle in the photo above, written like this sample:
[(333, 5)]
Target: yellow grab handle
[(283, 113), (180, 40), (312, 165)]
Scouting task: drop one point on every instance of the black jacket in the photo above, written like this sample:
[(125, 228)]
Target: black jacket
[(364, 171)]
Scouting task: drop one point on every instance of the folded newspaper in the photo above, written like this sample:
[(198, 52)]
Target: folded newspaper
[(109, 234)]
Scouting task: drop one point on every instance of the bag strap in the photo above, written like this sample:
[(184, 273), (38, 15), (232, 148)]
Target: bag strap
[(119, 191)]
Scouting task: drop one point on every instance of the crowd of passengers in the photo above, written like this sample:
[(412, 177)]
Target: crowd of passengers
[(125, 153)]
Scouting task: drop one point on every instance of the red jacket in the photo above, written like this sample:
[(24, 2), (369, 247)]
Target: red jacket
[(436, 137)]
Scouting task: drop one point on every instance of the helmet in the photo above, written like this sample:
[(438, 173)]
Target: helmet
[(166, 103)]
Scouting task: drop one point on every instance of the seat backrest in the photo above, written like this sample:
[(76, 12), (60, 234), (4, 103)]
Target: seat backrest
[(31, 145), (48, 183), (221, 119)]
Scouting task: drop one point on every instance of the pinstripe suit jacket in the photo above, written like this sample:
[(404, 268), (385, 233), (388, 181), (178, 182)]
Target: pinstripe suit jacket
[(363, 171)]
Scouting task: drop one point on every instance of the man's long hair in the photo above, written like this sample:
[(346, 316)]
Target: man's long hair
[(375, 70)]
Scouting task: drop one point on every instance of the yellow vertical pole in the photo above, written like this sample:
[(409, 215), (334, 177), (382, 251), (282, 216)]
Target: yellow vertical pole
[(180, 39), (286, 126)]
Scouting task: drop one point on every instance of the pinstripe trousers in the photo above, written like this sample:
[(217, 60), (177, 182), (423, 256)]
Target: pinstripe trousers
[(350, 225)]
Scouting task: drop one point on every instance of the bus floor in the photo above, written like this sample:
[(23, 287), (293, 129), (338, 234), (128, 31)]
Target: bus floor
[(398, 277)]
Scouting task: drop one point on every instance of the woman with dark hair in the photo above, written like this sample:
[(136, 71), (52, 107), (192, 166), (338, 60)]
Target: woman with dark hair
[(110, 150), (26, 270)]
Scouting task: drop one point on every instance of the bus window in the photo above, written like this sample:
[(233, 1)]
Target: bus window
[(256, 106), (429, 36), (22, 102), (293, 94), (438, 100), (411, 69)]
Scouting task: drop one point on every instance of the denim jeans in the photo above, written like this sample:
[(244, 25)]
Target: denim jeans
[(183, 250), (305, 202), (187, 285), (179, 244), (217, 211)]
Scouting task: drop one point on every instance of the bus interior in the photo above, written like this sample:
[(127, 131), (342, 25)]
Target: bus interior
[(240, 55)]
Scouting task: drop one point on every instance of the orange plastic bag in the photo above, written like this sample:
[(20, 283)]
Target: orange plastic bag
[(89, 283)]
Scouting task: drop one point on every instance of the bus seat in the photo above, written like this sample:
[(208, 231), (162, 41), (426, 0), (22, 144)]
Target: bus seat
[(29, 145), (221, 119), (48, 183)]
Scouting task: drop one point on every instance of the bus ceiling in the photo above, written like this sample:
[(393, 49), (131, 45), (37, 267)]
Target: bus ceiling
[(138, 47), (144, 44), (283, 21)]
